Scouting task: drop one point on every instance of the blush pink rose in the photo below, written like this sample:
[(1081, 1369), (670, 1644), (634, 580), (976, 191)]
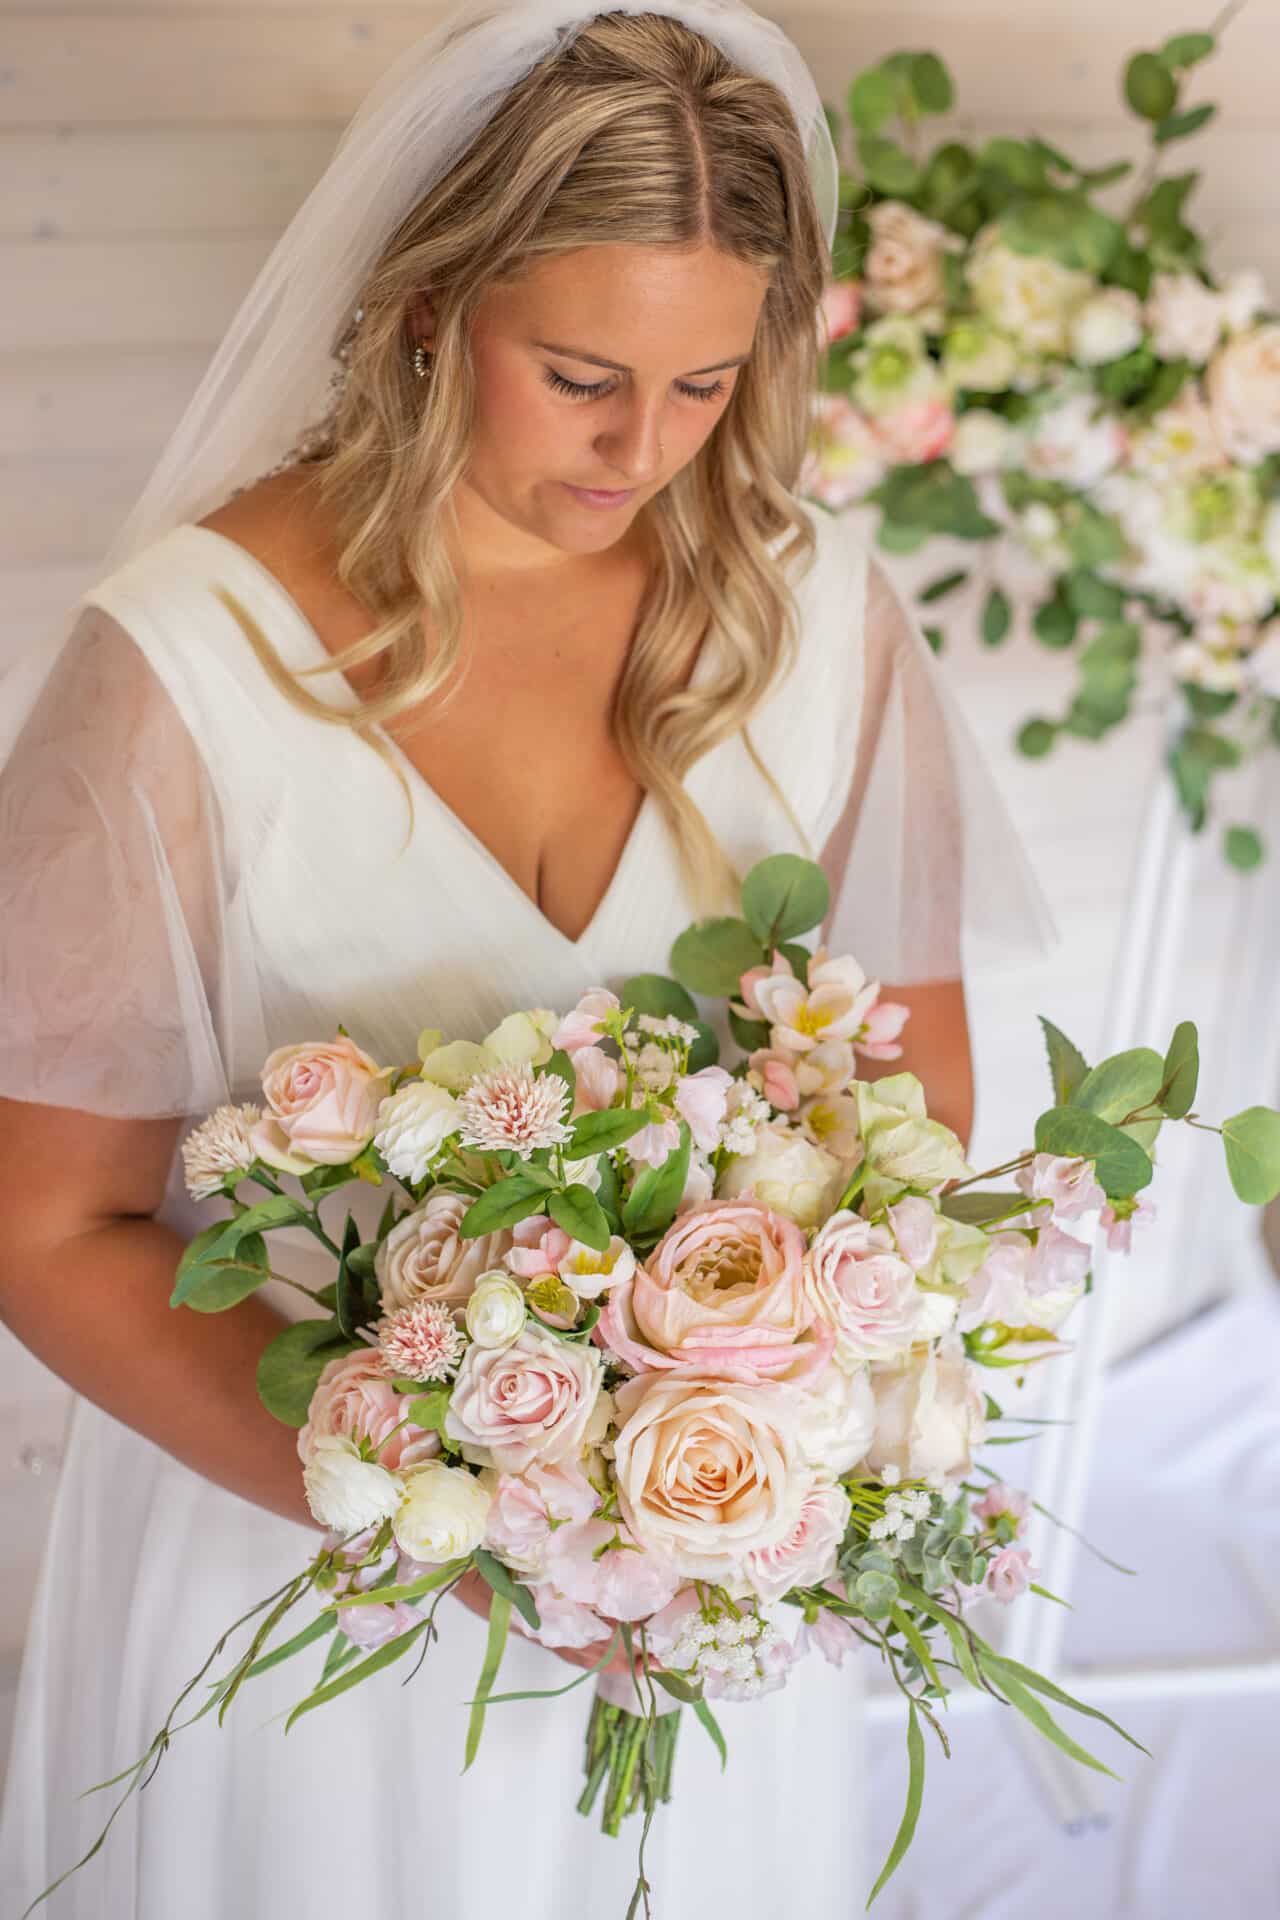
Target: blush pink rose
[(323, 1101), (354, 1397), (807, 1555), (863, 1288), (424, 1257), (538, 1399), (722, 1292)]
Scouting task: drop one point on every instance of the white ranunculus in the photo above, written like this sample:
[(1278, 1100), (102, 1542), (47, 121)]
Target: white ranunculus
[(496, 1310), (345, 1492), (413, 1125), (930, 1413), (1242, 384), (983, 442), (443, 1513), (1106, 326), (787, 1173)]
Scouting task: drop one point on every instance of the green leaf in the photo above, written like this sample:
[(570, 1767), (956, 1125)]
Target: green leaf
[(919, 1645), (712, 955), (931, 84), (749, 1034), (607, 1192), (1055, 624), (599, 1132), (887, 165), (1029, 1705), (1242, 847), (679, 1688), (384, 1657), (1121, 1084), (712, 1725), (1121, 1165), (915, 1795), (214, 1285), (784, 896), (1067, 1065), (560, 1064), (938, 589), (407, 1590), (499, 1624), (997, 617), (873, 99), (1252, 1142), (705, 1050), (578, 1211), (1039, 1684), (503, 1204), (276, 1211), (491, 1569), (1149, 87), (975, 1209), (291, 1364), (1178, 126), (1186, 49), (655, 993), (1035, 737), (1181, 1071), (650, 1206)]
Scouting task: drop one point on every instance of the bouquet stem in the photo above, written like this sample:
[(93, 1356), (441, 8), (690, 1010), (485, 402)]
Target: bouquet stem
[(616, 1759)]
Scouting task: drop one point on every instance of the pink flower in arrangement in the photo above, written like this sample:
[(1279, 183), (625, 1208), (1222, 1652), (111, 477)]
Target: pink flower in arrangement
[(561, 1622), (1009, 1573), (421, 1341), (598, 1078), (616, 1580), (581, 1027), (916, 432), (651, 1145), (354, 1397), (700, 1099), (323, 1102), (1002, 1502), (514, 1108), (883, 1024), (778, 1074), (841, 308), (539, 1247), (1119, 1227)]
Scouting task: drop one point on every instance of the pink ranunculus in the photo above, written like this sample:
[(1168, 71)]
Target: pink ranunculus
[(1009, 1573), (863, 1288), (598, 1077), (424, 1257), (580, 1028), (917, 432), (700, 1099), (1000, 1502), (620, 1583), (808, 1554), (880, 1030), (538, 1399), (841, 308), (530, 1507), (354, 1397), (778, 1076), (561, 1622), (1066, 1182), (323, 1100), (721, 1292)]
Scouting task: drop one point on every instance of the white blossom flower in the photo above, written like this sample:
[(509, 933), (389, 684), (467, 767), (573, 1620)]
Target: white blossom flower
[(218, 1146), (413, 1125)]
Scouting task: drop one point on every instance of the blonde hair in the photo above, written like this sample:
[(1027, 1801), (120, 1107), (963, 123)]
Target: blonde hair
[(638, 131)]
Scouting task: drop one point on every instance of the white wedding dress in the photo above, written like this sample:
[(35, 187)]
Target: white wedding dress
[(193, 872)]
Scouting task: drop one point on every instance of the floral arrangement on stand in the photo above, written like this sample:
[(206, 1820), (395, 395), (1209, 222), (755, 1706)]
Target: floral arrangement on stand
[(1008, 363), (675, 1356)]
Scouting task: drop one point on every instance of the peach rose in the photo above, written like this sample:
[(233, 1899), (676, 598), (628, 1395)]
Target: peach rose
[(708, 1470), (425, 1258), (903, 271), (723, 1291), (354, 1398), (323, 1102)]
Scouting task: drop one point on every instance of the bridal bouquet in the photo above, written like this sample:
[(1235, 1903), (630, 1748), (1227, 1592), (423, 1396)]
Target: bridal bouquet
[(675, 1355), (1011, 361)]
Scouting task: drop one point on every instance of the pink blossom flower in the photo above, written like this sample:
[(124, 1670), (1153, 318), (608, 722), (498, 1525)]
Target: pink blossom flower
[(880, 1030), (599, 1076), (830, 1632), (580, 1028), (841, 308), (651, 1145), (1067, 1183), (1009, 1573), (561, 1622), (700, 1099), (621, 1583), (514, 1108), (778, 1077), (539, 1247), (528, 1508), (832, 1006), (916, 432), (1002, 1502), (1119, 1227)]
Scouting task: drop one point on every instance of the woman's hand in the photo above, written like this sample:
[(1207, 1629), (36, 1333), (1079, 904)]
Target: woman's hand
[(475, 1592)]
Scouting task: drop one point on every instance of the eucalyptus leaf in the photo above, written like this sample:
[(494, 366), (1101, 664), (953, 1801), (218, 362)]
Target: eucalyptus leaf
[(579, 1213), (655, 993), (1121, 1084), (783, 896), (291, 1364), (1252, 1142), (712, 955), (1067, 1065), (1121, 1165), (503, 1204), (1181, 1071), (224, 1281)]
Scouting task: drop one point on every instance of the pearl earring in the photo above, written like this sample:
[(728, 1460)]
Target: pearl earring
[(421, 361)]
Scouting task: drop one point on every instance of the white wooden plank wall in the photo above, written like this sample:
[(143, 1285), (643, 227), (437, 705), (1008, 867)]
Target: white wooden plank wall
[(150, 155)]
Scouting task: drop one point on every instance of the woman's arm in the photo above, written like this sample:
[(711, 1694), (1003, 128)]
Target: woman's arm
[(935, 1047), (85, 1279)]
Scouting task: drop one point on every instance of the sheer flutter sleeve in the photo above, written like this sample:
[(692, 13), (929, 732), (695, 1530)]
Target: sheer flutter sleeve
[(115, 883), (927, 871)]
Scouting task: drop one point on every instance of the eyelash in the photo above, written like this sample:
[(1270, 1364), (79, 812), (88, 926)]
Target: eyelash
[(558, 381)]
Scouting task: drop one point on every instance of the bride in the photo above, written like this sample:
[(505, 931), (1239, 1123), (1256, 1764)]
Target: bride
[(461, 687)]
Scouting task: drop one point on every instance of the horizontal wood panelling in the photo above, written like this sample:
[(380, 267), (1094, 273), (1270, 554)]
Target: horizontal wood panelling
[(92, 400), (85, 295)]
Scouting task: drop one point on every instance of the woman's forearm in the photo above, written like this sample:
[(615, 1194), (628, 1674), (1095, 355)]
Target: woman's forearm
[(95, 1309), (936, 1048)]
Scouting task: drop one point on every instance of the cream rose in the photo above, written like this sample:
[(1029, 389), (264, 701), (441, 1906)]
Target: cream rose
[(1242, 385), (903, 268), (835, 1418), (538, 1399), (1185, 317), (787, 1173), (323, 1102), (1106, 326), (930, 1413), (1029, 295), (425, 1258), (709, 1471), (443, 1513)]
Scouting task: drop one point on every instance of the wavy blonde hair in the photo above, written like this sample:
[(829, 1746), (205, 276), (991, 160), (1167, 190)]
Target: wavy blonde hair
[(638, 131)]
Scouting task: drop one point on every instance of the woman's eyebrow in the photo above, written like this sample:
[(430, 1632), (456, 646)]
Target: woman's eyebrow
[(598, 360)]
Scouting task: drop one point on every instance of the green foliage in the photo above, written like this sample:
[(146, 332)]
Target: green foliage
[(654, 993), (577, 1210), (650, 1207), (1121, 1085), (997, 617), (601, 1132), (506, 1202), (1181, 1071), (1243, 848), (712, 955), (1193, 761), (783, 896), (1252, 1142), (1067, 1065), (1121, 1165), (933, 498), (1035, 737), (291, 1364)]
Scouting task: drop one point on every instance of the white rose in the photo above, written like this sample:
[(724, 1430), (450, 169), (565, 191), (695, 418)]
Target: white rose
[(1243, 389), (983, 442), (1030, 295), (930, 1413), (443, 1513), (1185, 317), (902, 271), (835, 1418), (787, 1173), (424, 1257), (1105, 327), (345, 1492), (496, 1311), (413, 1125)]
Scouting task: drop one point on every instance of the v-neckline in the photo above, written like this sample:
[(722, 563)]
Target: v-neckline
[(336, 683)]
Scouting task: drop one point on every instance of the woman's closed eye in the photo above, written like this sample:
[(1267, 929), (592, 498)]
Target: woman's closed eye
[(580, 392)]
